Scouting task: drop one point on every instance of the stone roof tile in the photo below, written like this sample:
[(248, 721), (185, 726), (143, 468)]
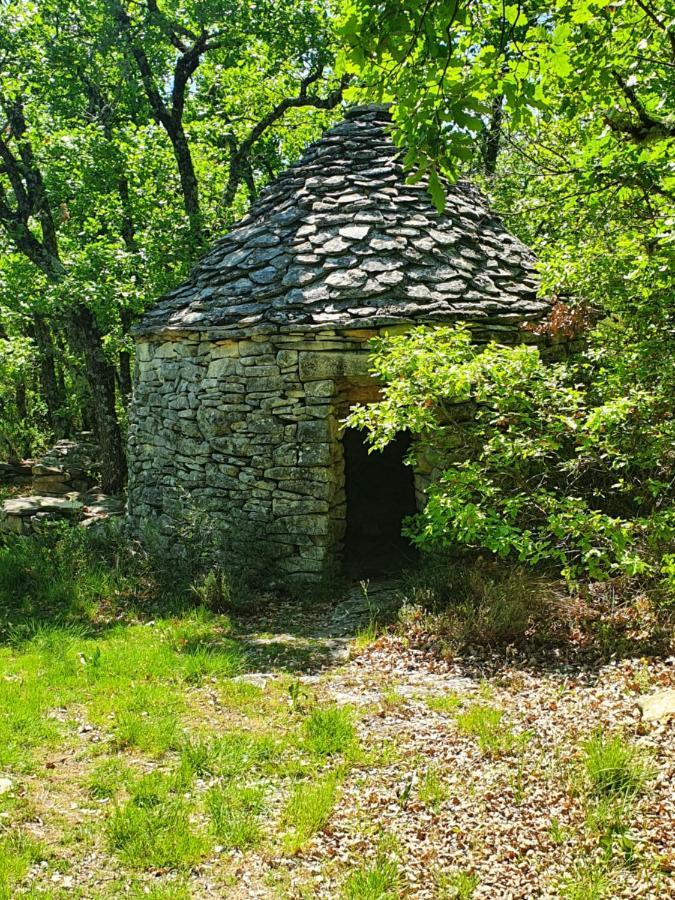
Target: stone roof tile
[(342, 226)]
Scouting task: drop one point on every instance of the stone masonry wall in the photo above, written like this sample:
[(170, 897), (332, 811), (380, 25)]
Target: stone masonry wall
[(245, 430)]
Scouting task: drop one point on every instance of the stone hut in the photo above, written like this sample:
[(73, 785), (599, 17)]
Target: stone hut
[(244, 373)]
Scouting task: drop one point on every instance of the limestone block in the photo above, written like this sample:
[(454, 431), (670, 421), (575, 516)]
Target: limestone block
[(301, 524), (313, 432), (252, 348), (221, 349), (287, 358), (323, 388), (222, 367), (144, 353), (315, 455), (298, 506), (316, 366), (166, 350)]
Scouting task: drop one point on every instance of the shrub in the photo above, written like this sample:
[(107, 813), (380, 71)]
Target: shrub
[(214, 591), (463, 602), (564, 464)]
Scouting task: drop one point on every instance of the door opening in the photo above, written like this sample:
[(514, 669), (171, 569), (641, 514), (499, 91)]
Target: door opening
[(380, 493)]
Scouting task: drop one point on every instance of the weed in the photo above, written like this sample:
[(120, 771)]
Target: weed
[(307, 811), (431, 789), (214, 591), (447, 703), (235, 814), (558, 833), (107, 778), (17, 853), (607, 819), (458, 885), (377, 881), (486, 723), (588, 881), (614, 767), (152, 831), (329, 730)]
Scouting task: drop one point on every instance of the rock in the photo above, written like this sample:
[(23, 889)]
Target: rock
[(6, 784), (658, 706)]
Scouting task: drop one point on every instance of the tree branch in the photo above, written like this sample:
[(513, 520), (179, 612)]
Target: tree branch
[(240, 155)]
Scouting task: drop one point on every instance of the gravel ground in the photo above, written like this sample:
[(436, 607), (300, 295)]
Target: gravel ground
[(516, 822)]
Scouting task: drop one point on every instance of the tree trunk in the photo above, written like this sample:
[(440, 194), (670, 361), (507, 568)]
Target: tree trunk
[(49, 386), (493, 136), (101, 381), (188, 181)]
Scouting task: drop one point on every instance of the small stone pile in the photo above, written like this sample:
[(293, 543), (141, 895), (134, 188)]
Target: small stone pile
[(64, 489), (70, 466)]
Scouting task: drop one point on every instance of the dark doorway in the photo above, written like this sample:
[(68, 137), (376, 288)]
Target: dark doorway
[(380, 494)]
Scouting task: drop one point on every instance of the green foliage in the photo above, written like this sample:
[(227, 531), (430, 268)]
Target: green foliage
[(536, 463), (151, 127), (588, 881), (432, 790), (459, 885), (17, 853), (614, 768), (151, 832), (214, 591)]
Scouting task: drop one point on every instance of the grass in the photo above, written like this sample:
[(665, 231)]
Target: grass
[(488, 725), (458, 885), (445, 703), (614, 767), (142, 760), (17, 853), (156, 836), (378, 880), (307, 811), (431, 789), (329, 730), (235, 814), (588, 881)]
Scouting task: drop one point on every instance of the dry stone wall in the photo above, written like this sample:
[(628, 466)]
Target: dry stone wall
[(243, 432)]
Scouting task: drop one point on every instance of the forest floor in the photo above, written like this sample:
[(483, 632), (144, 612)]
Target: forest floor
[(302, 752)]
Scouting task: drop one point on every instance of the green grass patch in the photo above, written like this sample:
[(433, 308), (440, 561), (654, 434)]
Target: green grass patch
[(18, 853), (491, 729), (235, 814), (431, 789), (378, 880), (614, 767), (446, 703), (153, 831), (329, 730), (458, 885), (307, 811), (588, 881)]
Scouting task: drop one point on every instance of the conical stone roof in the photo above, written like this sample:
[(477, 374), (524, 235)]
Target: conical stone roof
[(340, 240)]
